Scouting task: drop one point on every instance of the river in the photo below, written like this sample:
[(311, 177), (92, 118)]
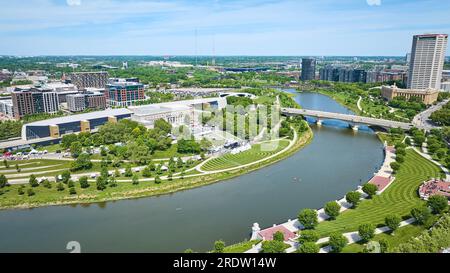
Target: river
[(336, 161)]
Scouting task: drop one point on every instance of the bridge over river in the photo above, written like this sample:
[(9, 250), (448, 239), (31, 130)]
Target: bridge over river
[(353, 120)]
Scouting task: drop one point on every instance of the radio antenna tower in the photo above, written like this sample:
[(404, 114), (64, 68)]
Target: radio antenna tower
[(196, 48)]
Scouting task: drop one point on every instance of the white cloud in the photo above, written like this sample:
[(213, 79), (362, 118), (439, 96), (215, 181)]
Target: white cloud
[(374, 2), (73, 2)]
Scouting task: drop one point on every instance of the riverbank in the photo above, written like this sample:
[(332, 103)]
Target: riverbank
[(350, 104), (11, 200)]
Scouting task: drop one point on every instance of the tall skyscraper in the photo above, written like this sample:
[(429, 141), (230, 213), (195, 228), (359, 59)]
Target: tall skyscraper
[(427, 61), (308, 69)]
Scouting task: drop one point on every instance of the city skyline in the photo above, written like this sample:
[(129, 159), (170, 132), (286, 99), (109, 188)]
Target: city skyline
[(224, 28)]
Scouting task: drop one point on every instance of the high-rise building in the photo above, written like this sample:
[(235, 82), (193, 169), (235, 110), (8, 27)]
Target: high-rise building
[(308, 69), (124, 93), (427, 61), (83, 80), (76, 103), (342, 74), (80, 102), (33, 101)]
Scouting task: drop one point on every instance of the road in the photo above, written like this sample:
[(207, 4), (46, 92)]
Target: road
[(422, 120)]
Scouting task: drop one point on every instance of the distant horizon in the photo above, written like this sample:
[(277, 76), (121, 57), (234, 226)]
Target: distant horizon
[(193, 56), (218, 28)]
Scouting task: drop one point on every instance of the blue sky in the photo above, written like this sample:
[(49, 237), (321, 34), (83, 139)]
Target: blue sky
[(249, 27)]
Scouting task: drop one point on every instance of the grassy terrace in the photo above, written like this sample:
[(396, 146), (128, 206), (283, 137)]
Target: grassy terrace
[(45, 197), (40, 167), (402, 235), (254, 154), (399, 198)]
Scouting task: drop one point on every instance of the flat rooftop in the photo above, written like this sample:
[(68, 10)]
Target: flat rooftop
[(86, 116)]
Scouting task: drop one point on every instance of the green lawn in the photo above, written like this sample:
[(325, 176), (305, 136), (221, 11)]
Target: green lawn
[(252, 155), (241, 247), (402, 235), (390, 138), (399, 198)]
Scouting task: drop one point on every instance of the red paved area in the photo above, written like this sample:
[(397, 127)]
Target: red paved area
[(267, 234), (390, 149), (380, 181), (435, 187)]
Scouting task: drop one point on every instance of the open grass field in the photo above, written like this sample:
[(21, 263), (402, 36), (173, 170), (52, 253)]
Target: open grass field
[(252, 155), (398, 199)]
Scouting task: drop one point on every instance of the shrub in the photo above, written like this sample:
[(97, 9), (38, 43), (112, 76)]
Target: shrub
[(72, 191), (21, 190), (60, 186), (30, 192)]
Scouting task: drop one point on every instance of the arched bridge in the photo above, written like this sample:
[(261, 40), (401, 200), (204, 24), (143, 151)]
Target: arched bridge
[(353, 120)]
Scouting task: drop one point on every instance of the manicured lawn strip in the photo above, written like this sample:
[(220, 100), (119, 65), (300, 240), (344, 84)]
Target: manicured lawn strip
[(400, 236), (47, 197), (230, 161), (399, 198), (241, 247), (390, 139)]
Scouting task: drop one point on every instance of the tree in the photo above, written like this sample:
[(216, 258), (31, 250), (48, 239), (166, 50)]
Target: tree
[(21, 190), (67, 140), (163, 126), (308, 236), (353, 197), (135, 179), (422, 214), (83, 182), (112, 182), (157, 180), (146, 172), (3, 181), (395, 166), (308, 218), (273, 247), (393, 222), (116, 173), (17, 168), (337, 242), (101, 183), (60, 187), (33, 181), (128, 171), (370, 189), (83, 162), (278, 236), (309, 247), (438, 204), (65, 176), (366, 232), (219, 246), (5, 162), (384, 245), (76, 149), (332, 209)]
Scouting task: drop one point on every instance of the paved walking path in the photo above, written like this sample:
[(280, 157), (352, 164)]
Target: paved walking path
[(359, 104), (353, 237)]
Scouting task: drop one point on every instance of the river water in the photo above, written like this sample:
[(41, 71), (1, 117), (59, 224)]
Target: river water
[(337, 161)]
